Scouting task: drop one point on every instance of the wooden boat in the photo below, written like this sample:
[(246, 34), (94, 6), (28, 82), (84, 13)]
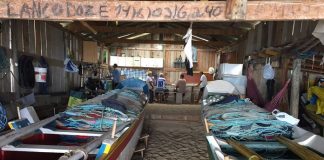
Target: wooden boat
[(301, 145), (41, 140)]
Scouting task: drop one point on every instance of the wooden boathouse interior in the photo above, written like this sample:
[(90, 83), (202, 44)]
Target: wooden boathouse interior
[(96, 34)]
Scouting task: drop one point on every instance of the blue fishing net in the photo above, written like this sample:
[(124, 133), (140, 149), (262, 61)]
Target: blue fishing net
[(92, 117), (3, 118), (242, 120), (263, 129)]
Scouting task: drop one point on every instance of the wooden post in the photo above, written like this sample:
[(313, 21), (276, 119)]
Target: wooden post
[(294, 96)]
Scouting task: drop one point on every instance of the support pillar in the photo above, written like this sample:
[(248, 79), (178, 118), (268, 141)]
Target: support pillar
[(295, 87)]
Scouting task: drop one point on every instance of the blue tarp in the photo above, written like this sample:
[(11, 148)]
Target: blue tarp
[(134, 84)]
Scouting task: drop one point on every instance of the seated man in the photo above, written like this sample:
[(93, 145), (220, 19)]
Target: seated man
[(161, 87), (180, 85)]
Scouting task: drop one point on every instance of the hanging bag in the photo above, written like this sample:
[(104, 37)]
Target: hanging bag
[(268, 72)]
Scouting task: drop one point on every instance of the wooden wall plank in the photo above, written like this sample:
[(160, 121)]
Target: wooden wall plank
[(5, 34), (43, 39), (19, 33), (38, 40), (31, 32), (25, 36)]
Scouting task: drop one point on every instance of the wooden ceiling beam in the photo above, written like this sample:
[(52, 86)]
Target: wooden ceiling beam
[(207, 31), (157, 11), (235, 9), (85, 24), (198, 43)]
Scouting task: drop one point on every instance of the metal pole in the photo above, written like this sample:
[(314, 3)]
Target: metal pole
[(82, 152), (12, 136)]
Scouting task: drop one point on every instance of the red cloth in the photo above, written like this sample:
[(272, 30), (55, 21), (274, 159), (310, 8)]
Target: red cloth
[(274, 103), (253, 93)]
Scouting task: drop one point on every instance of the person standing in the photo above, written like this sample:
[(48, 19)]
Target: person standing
[(116, 76), (202, 84), (149, 82)]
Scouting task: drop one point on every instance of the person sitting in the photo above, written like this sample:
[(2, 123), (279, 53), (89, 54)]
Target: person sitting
[(161, 88), (180, 86)]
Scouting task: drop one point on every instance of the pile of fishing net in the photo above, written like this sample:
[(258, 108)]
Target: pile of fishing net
[(242, 120), (92, 118)]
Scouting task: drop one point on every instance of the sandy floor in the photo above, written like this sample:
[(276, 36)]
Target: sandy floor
[(174, 139)]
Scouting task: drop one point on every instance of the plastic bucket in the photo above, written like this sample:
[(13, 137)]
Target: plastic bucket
[(40, 74)]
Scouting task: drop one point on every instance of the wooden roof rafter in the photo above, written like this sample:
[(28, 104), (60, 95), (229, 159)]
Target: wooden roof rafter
[(200, 31), (211, 43)]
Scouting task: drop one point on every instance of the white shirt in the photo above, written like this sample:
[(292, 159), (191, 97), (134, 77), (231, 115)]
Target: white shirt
[(148, 80), (203, 80)]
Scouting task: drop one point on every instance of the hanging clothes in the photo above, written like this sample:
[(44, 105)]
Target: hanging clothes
[(26, 72), (189, 70), (270, 89), (188, 47)]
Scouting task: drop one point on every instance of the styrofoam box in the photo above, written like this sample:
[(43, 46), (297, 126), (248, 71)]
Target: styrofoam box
[(230, 69), (239, 82)]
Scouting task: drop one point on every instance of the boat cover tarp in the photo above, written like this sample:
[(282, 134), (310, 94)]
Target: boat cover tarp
[(135, 84)]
